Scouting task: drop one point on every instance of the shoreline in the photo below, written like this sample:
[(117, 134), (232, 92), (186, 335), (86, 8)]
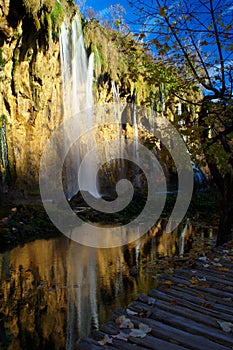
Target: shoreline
[(24, 219)]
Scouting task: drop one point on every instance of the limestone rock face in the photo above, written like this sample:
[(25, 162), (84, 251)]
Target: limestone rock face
[(30, 92)]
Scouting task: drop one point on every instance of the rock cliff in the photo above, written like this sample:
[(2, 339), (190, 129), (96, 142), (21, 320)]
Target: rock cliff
[(30, 85)]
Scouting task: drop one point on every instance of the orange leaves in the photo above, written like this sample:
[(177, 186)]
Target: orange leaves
[(194, 281), (163, 11), (168, 283), (223, 269), (207, 305), (204, 43)]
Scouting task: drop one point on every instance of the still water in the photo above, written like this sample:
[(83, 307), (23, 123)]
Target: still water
[(52, 292)]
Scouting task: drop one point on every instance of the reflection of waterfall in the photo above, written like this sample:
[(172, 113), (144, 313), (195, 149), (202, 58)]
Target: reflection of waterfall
[(82, 303), (77, 77), (182, 239)]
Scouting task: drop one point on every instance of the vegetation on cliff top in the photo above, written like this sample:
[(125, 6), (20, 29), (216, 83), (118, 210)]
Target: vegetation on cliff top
[(126, 60)]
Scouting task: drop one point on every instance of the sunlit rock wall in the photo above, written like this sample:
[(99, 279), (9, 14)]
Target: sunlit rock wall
[(30, 85)]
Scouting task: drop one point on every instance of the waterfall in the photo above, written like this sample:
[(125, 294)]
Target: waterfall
[(3, 154), (200, 181), (77, 80), (136, 140), (179, 108), (117, 118), (182, 239)]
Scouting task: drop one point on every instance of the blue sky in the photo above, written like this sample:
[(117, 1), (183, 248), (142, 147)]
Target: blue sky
[(102, 10), (101, 5)]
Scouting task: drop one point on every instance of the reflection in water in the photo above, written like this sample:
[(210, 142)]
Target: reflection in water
[(53, 292)]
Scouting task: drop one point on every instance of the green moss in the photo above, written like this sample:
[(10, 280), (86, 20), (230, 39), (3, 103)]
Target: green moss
[(57, 17), (2, 61)]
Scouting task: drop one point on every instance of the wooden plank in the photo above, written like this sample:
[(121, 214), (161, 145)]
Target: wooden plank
[(209, 297), (109, 328), (89, 344), (203, 274), (116, 343), (200, 287), (192, 303), (190, 314), (182, 313), (155, 343), (122, 345), (148, 341), (99, 335), (183, 338), (215, 270), (186, 324)]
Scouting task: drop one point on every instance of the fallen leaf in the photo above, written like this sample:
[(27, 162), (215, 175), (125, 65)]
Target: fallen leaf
[(131, 312), (124, 322), (203, 258), (207, 305), (226, 326), (217, 264), (224, 269), (194, 280), (127, 324), (105, 340), (121, 336), (151, 301), (181, 285), (201, 296), (137, 333), (201, 279), (168, 283), (120, 319), (144, 327)]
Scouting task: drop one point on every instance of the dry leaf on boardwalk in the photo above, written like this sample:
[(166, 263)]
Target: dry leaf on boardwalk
[(226, 326), (105, 340)]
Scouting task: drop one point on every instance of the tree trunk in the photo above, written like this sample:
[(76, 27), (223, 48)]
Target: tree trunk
[(226, 216), (224, 182)]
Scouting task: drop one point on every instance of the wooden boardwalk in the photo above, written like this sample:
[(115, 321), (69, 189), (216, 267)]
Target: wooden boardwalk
[(190, 309)]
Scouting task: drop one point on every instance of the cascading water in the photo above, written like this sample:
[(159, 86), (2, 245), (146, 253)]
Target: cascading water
[(77, 79), (3, 154), (117, 118), (136, 140), (78, 103)]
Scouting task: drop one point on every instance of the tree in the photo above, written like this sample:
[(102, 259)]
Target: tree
[(197, 38), (109, 17)]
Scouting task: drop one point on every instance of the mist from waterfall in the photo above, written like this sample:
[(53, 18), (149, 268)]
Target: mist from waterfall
[(78, 103), (77, 81), (136, 140)]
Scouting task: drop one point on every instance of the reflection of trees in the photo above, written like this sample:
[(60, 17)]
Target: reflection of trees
[(29, 299)]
